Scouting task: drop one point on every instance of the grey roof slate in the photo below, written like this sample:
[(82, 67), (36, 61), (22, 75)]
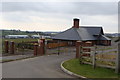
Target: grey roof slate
[(103, 37), (69, 34), (83, 33)]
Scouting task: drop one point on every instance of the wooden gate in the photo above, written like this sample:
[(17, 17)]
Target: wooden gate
[(102, 56)]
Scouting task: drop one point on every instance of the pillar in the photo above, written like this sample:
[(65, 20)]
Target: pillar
[(12, 47), (6, 46), (43, 40), (35, 49), (41, 47), (78, 45)]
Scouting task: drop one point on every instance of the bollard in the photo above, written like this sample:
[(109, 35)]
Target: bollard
[(6, 46), (35, 49), (12, 47)]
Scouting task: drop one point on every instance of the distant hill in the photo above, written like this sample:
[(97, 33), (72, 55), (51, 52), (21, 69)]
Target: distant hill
[(112, 34), (19, 32), (51, 32)]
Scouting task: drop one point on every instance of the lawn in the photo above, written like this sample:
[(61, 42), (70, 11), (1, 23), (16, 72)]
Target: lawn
[(87, 70)]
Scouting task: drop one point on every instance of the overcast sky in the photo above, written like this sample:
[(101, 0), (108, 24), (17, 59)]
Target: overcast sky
[(58, 16)]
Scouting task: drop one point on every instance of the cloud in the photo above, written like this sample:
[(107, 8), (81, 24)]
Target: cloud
[(59, 22), (57, 16), (16, 17), (88, 8)]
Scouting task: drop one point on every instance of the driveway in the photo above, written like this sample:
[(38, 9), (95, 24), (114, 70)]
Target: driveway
[(47, 66)]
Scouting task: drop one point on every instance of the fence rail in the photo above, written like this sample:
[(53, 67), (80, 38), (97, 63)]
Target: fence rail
[(105, 58), (55, 45)]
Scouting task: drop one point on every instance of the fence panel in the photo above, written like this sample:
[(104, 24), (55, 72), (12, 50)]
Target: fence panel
[(55, 45), (105, 56)]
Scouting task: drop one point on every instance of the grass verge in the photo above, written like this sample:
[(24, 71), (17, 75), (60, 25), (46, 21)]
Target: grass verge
[(87, 70)]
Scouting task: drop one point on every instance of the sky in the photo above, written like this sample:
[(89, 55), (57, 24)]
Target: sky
[(58, 16)]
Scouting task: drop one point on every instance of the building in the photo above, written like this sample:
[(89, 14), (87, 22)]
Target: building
[(40, 36), (112, 34), (16, 36), (93, 34), (35, 36)]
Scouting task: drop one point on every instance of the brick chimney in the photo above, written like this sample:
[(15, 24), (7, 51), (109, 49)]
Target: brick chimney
[(75, 23)]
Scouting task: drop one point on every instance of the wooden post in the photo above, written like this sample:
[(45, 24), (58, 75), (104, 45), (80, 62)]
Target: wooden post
[(94, 60), (77, 48), (6, 46), (58, 47), (94, 57), (81, 53), (12, 47), (35, 49), (118, 60)]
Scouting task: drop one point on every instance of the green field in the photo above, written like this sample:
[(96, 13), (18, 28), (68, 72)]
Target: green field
[(18, 40), (87, 70)]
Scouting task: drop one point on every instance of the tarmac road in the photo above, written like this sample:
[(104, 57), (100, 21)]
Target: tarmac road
[(38, 67)]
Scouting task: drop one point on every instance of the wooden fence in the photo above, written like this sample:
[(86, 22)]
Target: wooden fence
[(55, 45), (49, 45), (103, 56)]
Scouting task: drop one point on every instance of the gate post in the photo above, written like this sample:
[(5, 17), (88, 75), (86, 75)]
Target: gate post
[(6, 46), (45, 46), (78, 44), (12, 47), (35, 49), (118, 60), (94, 57), (41, 47)]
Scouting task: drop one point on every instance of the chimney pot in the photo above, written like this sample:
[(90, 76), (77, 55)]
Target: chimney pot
[(75, 23)]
